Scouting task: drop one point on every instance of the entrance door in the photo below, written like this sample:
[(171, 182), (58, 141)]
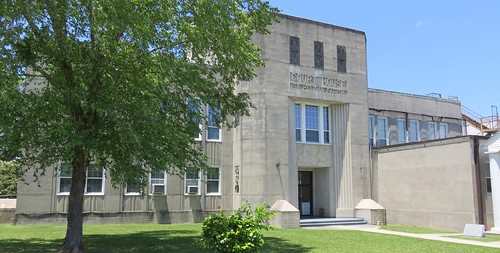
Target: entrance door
[(305, 193)]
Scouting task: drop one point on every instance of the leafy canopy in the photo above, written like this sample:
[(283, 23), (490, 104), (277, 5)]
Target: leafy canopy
[(112, 79), (9, 175)]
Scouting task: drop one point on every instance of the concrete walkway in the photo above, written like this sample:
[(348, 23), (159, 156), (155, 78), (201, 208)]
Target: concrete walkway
[(436, 237)]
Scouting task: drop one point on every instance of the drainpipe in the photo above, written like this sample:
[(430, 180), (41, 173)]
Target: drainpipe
[(479, 192)]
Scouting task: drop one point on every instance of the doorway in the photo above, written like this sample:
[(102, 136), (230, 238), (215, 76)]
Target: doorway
[(306, 193)]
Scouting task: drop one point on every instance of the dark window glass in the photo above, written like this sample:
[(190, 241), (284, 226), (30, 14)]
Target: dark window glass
[(318, 55), (341, 59), (294, 50)]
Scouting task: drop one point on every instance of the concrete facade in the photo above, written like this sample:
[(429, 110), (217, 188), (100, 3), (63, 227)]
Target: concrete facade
[(438, 184), (397, 118), (324, 87), (307, 146)]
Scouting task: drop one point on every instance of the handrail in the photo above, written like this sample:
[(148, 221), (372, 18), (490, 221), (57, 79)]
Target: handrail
[(490, 124), (472, 114)]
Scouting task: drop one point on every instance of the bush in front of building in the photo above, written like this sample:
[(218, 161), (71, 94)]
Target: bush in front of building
[(237, 232)]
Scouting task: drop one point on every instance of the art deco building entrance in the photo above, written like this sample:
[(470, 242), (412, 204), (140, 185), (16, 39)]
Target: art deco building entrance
[(306, 193)]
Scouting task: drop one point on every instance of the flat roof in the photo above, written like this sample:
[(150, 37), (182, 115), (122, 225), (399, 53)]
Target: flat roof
[(305, 20), (374, 90)]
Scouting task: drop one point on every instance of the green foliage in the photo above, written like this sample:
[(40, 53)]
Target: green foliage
[(107, 83), (237, 232), (110, 80), (9, 174)]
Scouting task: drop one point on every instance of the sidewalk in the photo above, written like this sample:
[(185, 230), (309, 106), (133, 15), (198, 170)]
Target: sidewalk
[(436, 237)]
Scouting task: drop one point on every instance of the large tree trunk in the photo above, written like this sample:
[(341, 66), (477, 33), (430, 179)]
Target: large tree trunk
[(74, 242)]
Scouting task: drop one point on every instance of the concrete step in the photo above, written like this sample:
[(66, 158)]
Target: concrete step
[(319, 222)]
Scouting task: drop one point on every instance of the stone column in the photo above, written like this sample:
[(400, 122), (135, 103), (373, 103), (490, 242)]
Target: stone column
[(495, 189)]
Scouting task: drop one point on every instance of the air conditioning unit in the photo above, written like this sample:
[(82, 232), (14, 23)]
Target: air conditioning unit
[(192, 189), (159, 189)]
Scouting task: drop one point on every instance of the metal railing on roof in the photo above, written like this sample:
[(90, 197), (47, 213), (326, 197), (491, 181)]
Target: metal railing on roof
[(491, 123)]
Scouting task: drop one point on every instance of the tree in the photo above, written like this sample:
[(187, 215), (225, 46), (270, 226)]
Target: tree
[(108, 84), (9, 174)]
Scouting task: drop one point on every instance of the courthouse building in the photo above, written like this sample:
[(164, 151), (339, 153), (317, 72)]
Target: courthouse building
[(309, 141)]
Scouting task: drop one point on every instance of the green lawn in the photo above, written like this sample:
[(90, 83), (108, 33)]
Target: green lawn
[(488, 238), (183, 238), (414, 230)]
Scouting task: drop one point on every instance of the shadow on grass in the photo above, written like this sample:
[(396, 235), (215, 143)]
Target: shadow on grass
[(273, 244), (147, 241)]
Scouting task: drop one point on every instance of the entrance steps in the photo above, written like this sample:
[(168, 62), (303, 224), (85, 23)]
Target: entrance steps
[(321, 222)]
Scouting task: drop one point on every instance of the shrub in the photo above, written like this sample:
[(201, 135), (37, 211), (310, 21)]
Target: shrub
[(237, 232)]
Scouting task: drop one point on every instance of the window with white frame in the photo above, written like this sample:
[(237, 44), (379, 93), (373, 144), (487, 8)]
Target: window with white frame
[(326, 125), (431, 130), (132, 189), (213, 130), (194, 106), (382, 131), (213, 181), (298, 123), (312, 123), (192, 182), (371, 129), (488, 178), (443, 130), (401, 131), (95, 180), (414, 130), (157, 182), (64, 179)]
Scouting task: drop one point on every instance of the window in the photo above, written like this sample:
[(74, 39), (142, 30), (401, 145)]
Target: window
[(298, 123), (64, 179), (318, 55), (401, 131), (382, 131), (431, 130), (95, 180), (443, 130), (326, 125), (488, 178), (132, 189), (157, 182), (315, 126), (312, 123), (341, 59), (213, 181), (371, 130), (414, 130), (192, 182), (294, 50), (194, 107), (94, 183), (213, 131)]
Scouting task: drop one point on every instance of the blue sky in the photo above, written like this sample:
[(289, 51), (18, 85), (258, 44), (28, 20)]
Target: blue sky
[(451, 47)]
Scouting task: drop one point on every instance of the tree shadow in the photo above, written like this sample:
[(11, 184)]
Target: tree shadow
[(144, 241), (275, 244)]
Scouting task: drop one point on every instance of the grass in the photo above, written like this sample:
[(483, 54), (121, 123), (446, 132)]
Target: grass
[(414, 230), (488, 238), (184, 237)]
